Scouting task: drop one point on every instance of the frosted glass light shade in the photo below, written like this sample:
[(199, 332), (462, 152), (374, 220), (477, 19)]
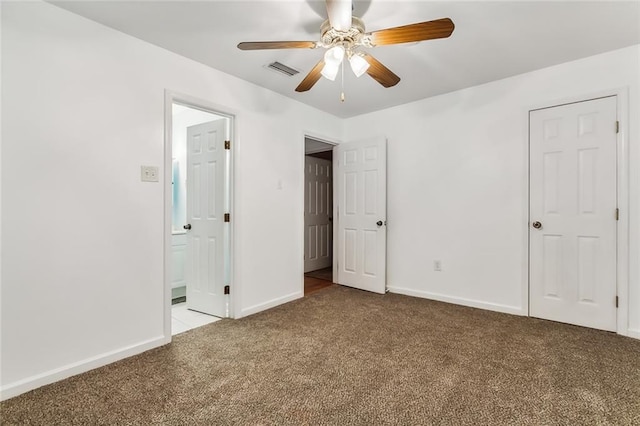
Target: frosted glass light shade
[(359, 65), (330, 70), (335, 54), (332, 60)]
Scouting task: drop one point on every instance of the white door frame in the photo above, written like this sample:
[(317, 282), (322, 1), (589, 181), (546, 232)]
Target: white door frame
[(192, 102), (333, 142), (622, 233)]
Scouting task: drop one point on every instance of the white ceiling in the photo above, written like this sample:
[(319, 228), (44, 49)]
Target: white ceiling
[(492, 40)]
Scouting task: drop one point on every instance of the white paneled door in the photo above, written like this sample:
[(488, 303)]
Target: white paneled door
[(318, 214), (205, 215), (572, 272), (361, 176)]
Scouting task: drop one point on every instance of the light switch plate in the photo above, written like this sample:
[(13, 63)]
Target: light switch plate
[(149, 173)]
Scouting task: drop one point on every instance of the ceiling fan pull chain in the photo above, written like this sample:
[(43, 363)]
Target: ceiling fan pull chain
[(342, 88)]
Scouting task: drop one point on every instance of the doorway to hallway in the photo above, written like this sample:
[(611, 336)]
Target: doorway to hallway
[(318, 215)]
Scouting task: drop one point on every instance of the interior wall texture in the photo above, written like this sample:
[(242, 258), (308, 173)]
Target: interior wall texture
[(82, 265), (458, 176)]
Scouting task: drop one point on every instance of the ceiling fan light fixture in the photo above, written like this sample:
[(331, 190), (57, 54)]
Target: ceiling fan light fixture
[(359, 65)]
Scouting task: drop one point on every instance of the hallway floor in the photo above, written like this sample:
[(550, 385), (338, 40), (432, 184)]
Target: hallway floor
[(317, 280)]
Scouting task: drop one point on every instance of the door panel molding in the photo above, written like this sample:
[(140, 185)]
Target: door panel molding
[(360, 176), (623, 197), (206, 247), (572, 237), (318, 214)]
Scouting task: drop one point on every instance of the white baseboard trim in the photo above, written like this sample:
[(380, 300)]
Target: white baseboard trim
[(514, 310), (631, 332), (16, 388), (270, 304)]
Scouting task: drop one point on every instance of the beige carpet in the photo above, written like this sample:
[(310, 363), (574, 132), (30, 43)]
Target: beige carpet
[(346, 357)]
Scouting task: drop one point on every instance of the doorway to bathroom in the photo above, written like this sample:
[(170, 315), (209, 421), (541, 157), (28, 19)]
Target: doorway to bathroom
[(200, 212)]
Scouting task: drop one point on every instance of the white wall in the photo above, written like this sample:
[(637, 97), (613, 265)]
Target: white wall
[(82, 265), (1, 223), (457, 181)]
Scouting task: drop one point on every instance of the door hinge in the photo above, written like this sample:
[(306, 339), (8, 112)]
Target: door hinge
[(617, 214), (227, 217), (227, 144), (617, 127), (227, 290), (616, 301)]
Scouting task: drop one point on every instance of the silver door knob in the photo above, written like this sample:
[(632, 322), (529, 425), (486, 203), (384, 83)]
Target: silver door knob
[(536, 224)]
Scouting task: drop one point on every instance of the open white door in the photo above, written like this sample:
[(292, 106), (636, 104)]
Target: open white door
[(361, 177), (573, 213), (205, 215)]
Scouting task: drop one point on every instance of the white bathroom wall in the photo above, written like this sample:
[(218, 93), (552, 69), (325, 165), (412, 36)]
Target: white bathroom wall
[(82, 263), (457, 182)]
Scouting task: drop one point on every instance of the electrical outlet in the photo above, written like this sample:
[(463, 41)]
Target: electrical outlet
[(148, 173), (437, 265)]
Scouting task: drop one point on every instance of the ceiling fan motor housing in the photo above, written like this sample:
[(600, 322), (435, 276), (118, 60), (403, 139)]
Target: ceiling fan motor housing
[(353, 37)]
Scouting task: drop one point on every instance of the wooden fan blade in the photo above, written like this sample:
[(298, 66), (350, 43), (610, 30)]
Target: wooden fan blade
[(440, 28), (311, 78), (380, 73), (339, 12), (259, 45)]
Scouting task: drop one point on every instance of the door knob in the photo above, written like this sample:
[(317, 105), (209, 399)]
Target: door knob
[(379, 223), (537, 224), (187, 226)]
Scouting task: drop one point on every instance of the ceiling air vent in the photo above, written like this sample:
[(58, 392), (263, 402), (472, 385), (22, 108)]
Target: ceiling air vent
[(282, 68)]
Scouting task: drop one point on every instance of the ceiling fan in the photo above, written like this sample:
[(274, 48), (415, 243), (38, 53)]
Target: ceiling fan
[(343, 35)]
